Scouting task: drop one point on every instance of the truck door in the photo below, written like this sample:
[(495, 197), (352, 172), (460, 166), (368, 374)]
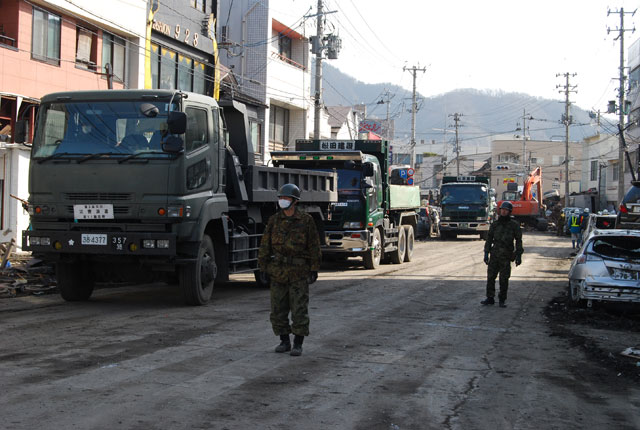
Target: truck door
[(200, 149)]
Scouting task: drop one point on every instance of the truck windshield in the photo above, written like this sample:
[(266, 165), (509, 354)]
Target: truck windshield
[(112, 128), (347, 179), (454, 194)]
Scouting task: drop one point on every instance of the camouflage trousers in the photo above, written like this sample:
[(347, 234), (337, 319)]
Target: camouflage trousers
[(290, 297), (502, 267)]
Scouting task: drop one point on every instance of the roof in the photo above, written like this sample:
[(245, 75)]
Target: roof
[(338, 115)]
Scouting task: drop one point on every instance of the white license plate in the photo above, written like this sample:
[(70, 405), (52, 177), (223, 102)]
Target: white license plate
[(94, 239), (635, 209), (98, 211), (624, 275)]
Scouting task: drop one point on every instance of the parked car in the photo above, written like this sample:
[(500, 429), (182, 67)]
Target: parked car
[(428, 222), (601, 220), (606, 268), (629, 213)]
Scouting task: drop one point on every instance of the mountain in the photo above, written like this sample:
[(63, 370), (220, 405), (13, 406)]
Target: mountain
[(484, 114)]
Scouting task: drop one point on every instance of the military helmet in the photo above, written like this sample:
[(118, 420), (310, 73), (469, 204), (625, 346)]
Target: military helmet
[(586, 210), (289, 190), (506, 205)]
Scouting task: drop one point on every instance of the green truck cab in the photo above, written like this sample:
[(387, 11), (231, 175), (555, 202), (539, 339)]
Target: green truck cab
[(144, 185), (372, 218), (467, 205)]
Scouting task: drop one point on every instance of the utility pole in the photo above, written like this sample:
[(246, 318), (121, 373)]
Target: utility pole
[(318, 107), (566, 120), (456, 119), (414, 109), (621, 103), (525, 167), (386, 99)]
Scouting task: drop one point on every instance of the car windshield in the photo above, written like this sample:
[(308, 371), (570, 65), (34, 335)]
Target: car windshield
[(464, 194), (620, 247), (110, 129), (605, 222)]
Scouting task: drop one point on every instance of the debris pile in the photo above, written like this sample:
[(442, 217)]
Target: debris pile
[(21, 274)]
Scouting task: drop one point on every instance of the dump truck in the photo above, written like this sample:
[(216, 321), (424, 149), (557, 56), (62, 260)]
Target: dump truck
[(467, 205), (145, 185), (372, 218)]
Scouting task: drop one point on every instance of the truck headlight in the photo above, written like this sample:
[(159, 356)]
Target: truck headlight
[(163, 243), (148, 243), (34, 240), (175, 211), (352, 224)]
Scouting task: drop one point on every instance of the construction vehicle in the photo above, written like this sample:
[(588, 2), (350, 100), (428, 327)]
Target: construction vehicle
[(527, 207), (467, 205), (372, 218), (145, 185)]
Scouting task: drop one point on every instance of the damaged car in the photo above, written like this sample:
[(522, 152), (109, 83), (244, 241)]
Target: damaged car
[(607, 268)]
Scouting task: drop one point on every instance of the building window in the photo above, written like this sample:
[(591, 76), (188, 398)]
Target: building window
[(199, 4), (45, 40), (284, 46), (113, 52), (255, 128), (614, 172), (86, 49), (170, 70), (594, 170), (278, 127)]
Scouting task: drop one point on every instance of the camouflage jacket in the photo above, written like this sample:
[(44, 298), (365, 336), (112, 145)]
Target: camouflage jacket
[(501, 237), (290, 247)]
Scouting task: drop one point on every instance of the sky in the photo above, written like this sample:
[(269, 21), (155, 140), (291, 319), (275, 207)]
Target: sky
[(509, 45)]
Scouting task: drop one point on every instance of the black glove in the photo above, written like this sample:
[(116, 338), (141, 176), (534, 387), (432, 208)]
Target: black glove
[(313, 277), (264, 278), (486, 258), (518, 260)]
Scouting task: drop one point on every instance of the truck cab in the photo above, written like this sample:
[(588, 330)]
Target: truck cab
[(467, 205)]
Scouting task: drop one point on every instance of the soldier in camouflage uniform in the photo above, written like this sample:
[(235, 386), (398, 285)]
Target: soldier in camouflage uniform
[(499, 245), (290, 256)]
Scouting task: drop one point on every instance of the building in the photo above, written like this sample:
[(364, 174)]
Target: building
[(270, 58), (600, 171), (344, 122), (507, 165), (57, 45)]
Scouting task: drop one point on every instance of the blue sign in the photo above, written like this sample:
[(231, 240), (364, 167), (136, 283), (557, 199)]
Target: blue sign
[(410, 181), (403, 173)]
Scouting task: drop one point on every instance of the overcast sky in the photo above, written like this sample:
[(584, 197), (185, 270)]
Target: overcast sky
[(510, 45)]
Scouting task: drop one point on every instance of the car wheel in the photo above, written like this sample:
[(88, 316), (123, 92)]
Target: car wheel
[(574, 294)]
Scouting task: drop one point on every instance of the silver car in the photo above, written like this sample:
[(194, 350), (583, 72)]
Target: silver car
[(606, 268)]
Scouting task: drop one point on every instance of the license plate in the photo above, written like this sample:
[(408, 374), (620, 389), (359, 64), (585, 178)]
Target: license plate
[(635, 209), (624, 275), (97, 211), (94, 239)]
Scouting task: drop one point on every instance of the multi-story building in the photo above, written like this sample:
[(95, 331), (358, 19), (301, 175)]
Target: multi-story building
[(57, 45), (600, 170), (269, 55), (507, 164)]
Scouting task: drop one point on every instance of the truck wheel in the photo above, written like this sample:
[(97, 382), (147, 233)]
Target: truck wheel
[(75, 282), (196, 279), (372, 256), (408, 255), (542, 224), (397, 256), (484, 235)]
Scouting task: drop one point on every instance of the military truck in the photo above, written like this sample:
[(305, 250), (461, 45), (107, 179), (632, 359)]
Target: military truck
[(142, 185), (467, 205), (372, 218)]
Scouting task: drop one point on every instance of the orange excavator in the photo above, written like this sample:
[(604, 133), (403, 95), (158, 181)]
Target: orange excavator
[(527, 208)]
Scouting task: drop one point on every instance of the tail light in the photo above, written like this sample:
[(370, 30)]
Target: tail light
[(623, 209)]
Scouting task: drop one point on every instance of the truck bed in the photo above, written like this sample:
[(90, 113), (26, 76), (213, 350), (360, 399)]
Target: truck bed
[(404, 197), (263, 183)]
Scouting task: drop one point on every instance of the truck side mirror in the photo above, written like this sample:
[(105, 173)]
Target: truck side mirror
[(492, 192), (20, 131), (367, 184), (172, 144), (367, 169), (177, 122)]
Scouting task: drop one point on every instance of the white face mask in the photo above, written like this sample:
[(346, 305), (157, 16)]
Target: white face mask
[(284, 204)]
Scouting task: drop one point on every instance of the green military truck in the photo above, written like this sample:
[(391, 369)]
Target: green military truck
[(372, 218), (142, 185), (467, 205)]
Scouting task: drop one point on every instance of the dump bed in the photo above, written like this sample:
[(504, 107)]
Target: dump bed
[(404, 196), (263, 183)]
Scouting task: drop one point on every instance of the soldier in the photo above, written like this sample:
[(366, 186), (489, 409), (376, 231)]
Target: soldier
[(499, 245), (290, 256)]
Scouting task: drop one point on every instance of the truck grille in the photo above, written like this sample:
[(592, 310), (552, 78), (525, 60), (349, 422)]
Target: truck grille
[(463, 215), (104, 197)]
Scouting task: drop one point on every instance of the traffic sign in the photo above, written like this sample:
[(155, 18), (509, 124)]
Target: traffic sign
[(410, 171), (410, 181), (403, 173)]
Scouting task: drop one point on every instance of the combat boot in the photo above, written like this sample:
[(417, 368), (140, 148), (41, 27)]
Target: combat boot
[(502, 304), (488, 301), (297, 346), (285, 343)]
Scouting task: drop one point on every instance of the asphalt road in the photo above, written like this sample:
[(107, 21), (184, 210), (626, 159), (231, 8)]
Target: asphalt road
[(402, 347)]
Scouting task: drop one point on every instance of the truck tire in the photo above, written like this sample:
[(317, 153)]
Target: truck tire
[(484, 235), (542, 224), (372, 256), (397, 255), (408, 255), (260, 280), (197, 278), (75, 281)]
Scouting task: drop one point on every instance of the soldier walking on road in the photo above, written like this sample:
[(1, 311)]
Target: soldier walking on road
[(499, 253), (290, 256)]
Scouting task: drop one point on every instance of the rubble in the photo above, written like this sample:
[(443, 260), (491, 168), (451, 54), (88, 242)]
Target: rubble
[(21, 275)]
